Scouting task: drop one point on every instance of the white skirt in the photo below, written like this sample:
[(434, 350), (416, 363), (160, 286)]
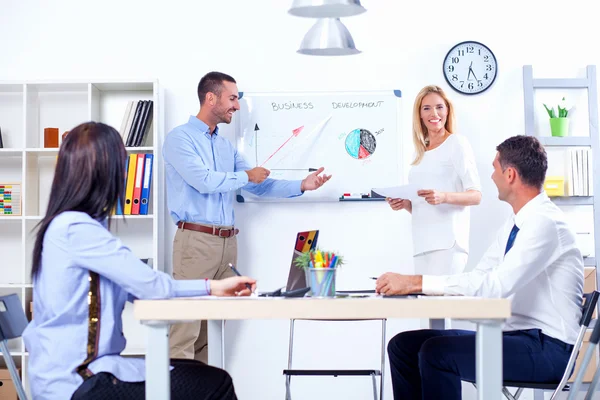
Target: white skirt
[(441, 262)]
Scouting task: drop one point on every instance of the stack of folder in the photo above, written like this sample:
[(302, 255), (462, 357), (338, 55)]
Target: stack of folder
[(137, 185), (136, 122)]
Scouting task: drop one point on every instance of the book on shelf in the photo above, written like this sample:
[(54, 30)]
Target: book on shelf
[(136, 122), (579, 172), (138, 182), (10, 198)]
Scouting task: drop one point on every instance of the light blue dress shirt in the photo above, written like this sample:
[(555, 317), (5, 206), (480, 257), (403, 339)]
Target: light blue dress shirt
[(203, 173), (57, 337)]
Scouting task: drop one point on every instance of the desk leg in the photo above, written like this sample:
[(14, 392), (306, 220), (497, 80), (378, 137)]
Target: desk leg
[(439, 324), (488, 361), (158, 379), (216, 343)]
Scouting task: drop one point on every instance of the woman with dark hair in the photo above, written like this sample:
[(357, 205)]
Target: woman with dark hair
[(83, 276)]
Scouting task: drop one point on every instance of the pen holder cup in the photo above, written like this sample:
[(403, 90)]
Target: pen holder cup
[(322, 281)]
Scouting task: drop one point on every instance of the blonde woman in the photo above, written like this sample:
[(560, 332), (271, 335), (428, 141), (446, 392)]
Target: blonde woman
[(444, 169)]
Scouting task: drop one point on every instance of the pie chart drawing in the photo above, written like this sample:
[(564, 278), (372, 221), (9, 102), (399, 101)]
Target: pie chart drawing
[(360, 144)]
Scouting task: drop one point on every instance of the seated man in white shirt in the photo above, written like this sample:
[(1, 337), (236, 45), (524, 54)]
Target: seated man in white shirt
[(534, 261)]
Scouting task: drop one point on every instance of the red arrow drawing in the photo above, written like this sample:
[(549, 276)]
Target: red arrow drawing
[(295, 133)]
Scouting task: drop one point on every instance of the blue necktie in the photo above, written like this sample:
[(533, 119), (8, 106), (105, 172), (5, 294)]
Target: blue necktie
[(511, 238)]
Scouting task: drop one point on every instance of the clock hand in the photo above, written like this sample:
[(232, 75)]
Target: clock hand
[(470, 71), (469, 74)]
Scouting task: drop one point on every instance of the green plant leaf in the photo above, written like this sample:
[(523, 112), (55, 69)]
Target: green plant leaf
[(550, 111)]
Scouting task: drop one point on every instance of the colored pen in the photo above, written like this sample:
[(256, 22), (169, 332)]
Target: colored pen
[(332, 262), (235, 271), (373, 277)]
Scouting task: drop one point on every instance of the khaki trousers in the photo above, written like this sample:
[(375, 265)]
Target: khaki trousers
[(198, 255)]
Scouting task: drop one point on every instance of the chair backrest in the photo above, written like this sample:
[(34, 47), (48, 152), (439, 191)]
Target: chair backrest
[(12, 317), (594, 338), (589, 305)]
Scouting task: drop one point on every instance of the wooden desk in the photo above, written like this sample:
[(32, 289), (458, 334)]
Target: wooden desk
[(488, 314)]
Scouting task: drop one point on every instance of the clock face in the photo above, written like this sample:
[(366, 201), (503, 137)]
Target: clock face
[(470, 67)]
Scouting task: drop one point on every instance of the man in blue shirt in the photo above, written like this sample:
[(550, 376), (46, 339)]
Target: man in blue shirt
[(203, 173)]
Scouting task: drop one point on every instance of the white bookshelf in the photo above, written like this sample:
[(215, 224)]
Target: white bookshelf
[(26, 108)]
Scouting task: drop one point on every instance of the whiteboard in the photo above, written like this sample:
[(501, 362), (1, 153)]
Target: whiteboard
[(355, 136)]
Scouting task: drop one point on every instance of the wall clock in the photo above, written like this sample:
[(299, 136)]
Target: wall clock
[(470, 67)]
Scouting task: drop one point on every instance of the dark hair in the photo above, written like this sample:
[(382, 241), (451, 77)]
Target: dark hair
[(527, 155), (89, 177), (212, 82)]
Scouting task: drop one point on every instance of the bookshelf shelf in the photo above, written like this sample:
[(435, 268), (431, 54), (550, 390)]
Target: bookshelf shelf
[(567, 141), (42, 151), (11, 87), (11, 217), (143, 149), (26, 108), (15, 285), (125, 86), (115, 217), (589, 84), (10, 152), (573, 200), (134, 351), (56, 87), (148, 216), (569, 83)]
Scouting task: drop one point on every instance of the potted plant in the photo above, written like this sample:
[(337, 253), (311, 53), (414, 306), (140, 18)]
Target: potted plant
[(559, 124)]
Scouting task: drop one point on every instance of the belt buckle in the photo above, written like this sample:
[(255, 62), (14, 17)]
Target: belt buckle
[(221, 230)]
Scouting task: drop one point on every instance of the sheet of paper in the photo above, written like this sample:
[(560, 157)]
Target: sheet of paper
[(399, 192)]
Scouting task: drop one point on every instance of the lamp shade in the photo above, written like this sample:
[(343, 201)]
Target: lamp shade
[(328, 37), (326, 8)]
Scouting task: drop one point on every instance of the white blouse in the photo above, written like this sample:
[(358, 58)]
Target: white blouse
[(449, 167)]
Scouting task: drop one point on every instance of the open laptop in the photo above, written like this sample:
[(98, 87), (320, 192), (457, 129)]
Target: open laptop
[(305, 242)]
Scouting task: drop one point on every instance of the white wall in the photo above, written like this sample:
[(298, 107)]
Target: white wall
[(403, 44)]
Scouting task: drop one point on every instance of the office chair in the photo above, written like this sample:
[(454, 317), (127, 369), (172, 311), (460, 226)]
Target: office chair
[(594, 338), (588, 307), (373, 373), (12, 324)]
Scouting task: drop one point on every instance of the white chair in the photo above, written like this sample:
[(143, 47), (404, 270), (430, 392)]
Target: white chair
[(588, 307), (592, 347), (12, 324), (373, 373)]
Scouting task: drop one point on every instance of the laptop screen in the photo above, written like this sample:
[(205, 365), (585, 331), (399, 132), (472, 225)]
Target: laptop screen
[(305, 241)]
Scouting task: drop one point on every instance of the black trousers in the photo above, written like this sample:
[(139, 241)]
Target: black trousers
[(190, 379), (430, 364)]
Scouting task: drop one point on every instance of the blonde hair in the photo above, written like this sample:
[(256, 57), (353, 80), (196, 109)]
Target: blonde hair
[(420, 135)]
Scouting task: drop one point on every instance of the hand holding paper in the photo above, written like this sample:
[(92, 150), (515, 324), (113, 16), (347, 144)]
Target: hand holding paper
[(407, 192), (400, 204), (433, 197)]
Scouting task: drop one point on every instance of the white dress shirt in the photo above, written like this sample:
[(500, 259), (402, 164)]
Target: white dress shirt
[(542, 274), (449, 167)]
